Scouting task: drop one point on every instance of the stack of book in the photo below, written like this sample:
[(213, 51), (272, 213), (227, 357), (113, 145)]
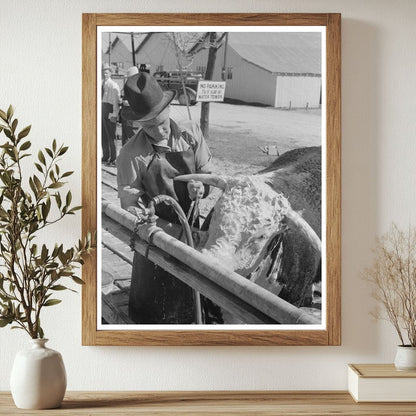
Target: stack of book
[(381, 383)]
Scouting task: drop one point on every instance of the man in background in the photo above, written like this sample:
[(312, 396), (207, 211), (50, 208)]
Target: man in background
[(129, 126), (109, 113)]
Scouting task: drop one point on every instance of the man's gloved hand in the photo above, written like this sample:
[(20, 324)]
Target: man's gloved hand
[(113, 119), (195, 189)]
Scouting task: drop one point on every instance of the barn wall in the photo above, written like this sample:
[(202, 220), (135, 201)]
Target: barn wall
[(158, 51), (119, 54), (249, 82), (297, 92), (41, 75), (200, 59)]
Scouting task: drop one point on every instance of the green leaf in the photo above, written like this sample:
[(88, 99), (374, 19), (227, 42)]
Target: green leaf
[(3, 115), (77, 208), (33, 187), (51, 302), (44, 253), (41, 157), (34, 249), (56, 185), (59, 287), (14, 125), (67, 174), (54, 145), (5, 321), (10, 112), (68, 199), (49, 152), (8, 133), (58, 199), (25, 145), (62, 257), (40, 332), (78, 280), (24, 132), (37, 183), (63, 150), (39, 167), (45, 211)]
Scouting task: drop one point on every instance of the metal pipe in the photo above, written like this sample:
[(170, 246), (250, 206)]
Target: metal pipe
[(253, 294)]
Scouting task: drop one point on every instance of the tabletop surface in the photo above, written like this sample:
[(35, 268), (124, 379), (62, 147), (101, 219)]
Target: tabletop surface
[(179, 403)]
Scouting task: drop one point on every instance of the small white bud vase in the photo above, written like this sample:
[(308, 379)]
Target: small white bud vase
[(405, 358), (38, 377)]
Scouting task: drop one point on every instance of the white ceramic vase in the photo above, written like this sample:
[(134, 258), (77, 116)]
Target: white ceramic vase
[(405, 358), (38, 378)]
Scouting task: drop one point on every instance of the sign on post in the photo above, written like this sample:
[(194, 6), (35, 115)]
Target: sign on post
[(210, 91)]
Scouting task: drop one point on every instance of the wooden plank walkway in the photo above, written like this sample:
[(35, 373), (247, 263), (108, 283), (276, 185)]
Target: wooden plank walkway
[(116, 268)]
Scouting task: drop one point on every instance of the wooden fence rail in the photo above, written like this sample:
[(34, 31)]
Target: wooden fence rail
[(211, 278)]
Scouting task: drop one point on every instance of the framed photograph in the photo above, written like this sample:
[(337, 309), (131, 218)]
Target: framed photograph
[(211, 172)]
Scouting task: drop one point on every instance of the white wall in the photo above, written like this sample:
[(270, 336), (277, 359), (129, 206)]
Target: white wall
[(297, 92), (40, 74)]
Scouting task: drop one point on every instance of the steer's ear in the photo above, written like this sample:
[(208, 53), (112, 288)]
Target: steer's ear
[(205, 178)]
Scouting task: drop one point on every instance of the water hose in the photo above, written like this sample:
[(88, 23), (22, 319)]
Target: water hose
[(166, 199)]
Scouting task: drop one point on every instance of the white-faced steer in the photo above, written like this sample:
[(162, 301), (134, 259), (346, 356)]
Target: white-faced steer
[(267, 226)]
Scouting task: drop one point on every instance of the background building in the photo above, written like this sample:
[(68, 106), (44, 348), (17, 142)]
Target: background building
[(278, 69)]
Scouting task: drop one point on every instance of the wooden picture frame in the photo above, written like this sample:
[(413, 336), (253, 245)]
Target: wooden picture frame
[(330, 334)]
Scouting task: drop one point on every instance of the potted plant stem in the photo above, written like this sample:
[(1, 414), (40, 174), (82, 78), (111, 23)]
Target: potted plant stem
[(393, 277), (31, 272)]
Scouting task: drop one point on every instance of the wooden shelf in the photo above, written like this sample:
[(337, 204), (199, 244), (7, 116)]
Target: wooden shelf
[(178, 403)]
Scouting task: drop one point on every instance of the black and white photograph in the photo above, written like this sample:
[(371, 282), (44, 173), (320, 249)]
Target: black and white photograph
[(211, 171)]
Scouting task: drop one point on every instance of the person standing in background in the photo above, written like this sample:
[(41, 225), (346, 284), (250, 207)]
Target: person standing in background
[(109, 114), (129, 126)]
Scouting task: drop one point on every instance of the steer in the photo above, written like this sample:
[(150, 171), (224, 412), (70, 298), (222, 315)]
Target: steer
[(267, 226)]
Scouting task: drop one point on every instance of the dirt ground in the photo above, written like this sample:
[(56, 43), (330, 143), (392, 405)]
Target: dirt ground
[(237, 130)]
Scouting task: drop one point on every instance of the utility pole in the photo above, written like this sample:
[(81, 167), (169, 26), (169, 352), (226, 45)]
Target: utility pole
[(109, 49), (212, 54), (132, 48), (224, 65)]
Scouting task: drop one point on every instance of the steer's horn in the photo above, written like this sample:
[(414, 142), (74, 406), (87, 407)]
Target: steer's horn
[(205, 178), (305, 229)]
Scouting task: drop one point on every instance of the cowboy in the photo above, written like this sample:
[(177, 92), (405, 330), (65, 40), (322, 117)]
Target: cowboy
[(146, 166), (109, 114)]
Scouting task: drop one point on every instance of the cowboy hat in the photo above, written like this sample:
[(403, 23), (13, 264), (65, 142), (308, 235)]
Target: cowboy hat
[(132, 71), (106, 67), (146, 97)]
